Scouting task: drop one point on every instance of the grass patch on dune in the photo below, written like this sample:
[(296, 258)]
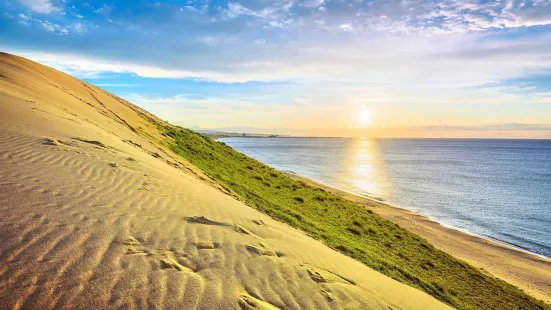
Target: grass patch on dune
[(348, 227)]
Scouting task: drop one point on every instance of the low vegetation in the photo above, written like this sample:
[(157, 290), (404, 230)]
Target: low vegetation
[(348, 227)]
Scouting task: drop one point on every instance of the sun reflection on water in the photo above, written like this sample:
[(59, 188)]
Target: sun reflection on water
[(367, 168)]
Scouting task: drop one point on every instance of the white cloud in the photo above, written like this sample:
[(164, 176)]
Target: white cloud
[(313, 3), (40, 6), (406, 48), (90, 67), (276, 24), (236, 9), (451, 60), (24, 17), (346, 27), (77, 28), (48, 26), (105, 9)]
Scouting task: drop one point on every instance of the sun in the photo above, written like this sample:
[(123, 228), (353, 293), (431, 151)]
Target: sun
[(364, 116)]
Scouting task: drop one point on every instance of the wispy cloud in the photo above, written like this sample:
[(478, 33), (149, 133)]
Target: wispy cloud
[(73, 28), (350, 39)]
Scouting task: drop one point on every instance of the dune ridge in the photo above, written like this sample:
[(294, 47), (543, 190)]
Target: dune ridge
[(95, 214)]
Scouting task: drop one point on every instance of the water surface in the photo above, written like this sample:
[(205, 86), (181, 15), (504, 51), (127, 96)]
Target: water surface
[(500, 189)]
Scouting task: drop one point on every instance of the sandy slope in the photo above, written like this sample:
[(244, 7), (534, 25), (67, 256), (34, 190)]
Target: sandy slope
[(529, 272), (95, 216)]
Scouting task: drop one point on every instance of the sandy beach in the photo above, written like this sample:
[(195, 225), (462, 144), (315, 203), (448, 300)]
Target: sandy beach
[(531, 273), (96, 216)]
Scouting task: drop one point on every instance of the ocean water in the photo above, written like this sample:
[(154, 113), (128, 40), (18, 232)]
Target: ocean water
[(499, 189)]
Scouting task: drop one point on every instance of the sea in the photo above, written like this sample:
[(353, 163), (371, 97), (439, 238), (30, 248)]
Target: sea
[(498, 189)]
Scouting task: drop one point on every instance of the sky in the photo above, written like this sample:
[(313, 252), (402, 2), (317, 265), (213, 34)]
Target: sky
[(416, 68)]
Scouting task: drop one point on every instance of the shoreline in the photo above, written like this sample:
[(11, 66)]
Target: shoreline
[(432, 219), (529, 271)]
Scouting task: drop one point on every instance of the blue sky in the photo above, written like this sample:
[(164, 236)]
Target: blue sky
[(306, 67)]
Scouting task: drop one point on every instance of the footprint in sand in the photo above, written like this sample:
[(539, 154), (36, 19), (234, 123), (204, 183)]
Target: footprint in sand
[(97, 143), (49, 141), (242, 229), (205, 245), (261, 250), (206, 221), (323, 276), (172, 264), (163, 251), (131, 241), (132, 249), (247, 302), (330, 297), (165, 263), (259, 222), (144, 188), (203, 220)]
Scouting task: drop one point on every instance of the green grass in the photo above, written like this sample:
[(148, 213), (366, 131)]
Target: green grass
[(348, 227)]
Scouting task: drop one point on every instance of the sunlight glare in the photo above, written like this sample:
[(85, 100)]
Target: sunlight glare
[(368, 176), (364, 116)]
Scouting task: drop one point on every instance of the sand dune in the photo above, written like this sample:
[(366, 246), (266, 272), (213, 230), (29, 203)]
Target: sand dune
[(96, 214)]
